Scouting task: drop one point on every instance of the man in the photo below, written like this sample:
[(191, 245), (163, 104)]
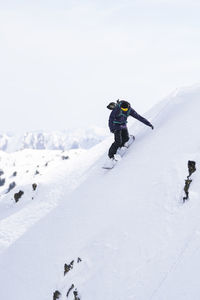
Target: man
[(117, 125)]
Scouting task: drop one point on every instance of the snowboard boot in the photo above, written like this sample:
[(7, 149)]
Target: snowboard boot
[(109, 163)]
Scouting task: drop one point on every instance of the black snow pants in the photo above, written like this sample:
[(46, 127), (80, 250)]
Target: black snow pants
[(121, 137)]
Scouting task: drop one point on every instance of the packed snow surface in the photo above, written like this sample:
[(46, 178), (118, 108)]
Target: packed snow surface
[(125, 233)]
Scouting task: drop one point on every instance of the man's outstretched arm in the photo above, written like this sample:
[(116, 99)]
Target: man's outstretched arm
[(135, 115)]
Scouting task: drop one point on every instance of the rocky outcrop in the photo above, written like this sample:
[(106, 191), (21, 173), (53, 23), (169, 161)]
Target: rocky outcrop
[(188, 181), (70, 289), (12, 185), (18, 195), (56, 295), (64, 157), (68, 267), (2, 181), (76, 296), (34, 186)]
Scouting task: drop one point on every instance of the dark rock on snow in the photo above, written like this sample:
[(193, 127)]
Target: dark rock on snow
[(34, 186), (76, 296), (56, 295), (2, 181), (188, 181), (18, 195), (71, 288), (65, 157), (11, 186), (69, 267)]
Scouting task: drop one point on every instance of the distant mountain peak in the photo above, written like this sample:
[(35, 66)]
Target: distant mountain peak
[(56, 140)]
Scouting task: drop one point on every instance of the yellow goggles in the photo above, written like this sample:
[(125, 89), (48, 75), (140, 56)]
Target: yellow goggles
[(124, 109)]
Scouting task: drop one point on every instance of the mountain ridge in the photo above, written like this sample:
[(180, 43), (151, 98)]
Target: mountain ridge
[(56, 140)]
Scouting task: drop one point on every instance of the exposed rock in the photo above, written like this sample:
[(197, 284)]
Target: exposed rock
[(2, 181), (71, 288), (1, 172), (11, 186), (37, 172), (191, 167), (188, 181), (56, 295), (65, 157), (34, 186), (79, 260), (76, 296), (14, 174), (186, 189), (67, 268), (18, 195)]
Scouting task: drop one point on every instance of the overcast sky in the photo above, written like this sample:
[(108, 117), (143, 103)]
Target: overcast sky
[(62, 61)]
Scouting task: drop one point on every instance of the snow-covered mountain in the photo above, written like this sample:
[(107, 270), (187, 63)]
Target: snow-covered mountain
[(58, 140), (112, 235)]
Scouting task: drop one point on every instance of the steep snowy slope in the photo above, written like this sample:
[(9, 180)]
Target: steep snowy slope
[(55, 174), (134, 237)]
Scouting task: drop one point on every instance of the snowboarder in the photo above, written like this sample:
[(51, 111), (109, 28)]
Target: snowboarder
[(117, 125)]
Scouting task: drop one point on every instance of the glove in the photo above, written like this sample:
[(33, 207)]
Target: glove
[(151, 126)]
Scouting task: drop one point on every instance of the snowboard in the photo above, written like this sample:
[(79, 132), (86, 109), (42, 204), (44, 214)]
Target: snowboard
[(110, 163)]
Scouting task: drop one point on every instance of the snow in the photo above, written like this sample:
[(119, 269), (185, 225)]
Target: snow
[(135, 236), (56, 179), (56, 140)]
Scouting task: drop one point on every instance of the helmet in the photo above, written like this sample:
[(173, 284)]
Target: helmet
[(124, 105)]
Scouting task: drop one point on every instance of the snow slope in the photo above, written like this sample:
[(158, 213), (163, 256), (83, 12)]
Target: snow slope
[(56, 173), (135, 237)]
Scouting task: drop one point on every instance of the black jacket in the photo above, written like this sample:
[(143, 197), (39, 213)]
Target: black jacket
[(118, 118)]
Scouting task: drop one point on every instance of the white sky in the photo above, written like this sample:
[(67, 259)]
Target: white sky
[(62, 61)]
